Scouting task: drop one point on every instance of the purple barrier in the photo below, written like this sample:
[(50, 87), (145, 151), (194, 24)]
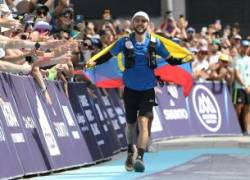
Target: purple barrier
[(105, 121), (212, 109), (55, 149), (158, 129), (39, 157), (173, 112), (15, 128), (61, 130), (75, 143), (78, 99), (81, 99), (207, 111), (119, 113), (9, 163)]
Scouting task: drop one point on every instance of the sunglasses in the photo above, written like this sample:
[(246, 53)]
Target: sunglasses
[(68, 15), (39, 13)]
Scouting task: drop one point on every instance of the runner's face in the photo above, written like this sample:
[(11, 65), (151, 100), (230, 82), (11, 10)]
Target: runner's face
[(140, 25)]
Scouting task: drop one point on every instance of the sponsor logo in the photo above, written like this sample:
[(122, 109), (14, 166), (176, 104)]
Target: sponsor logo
[(9, 114), (46, 130), (172, 90), (68, 116), (206, 108), (175, 114)]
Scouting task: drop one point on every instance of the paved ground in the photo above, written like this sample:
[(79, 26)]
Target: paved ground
[(202, 158)]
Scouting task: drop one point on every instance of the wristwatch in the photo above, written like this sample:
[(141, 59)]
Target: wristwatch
[(37, 45)]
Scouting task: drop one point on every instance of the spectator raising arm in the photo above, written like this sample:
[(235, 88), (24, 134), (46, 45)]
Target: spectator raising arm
[(9, 23), (7, 43)]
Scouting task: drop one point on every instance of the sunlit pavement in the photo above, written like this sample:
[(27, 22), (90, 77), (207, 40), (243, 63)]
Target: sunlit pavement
[(203, 158)]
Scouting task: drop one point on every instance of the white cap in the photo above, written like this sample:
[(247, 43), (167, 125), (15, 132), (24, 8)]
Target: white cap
[(193, 49), (42, 25), (203, 48), (245, 43), (142, 14), (237, 36)]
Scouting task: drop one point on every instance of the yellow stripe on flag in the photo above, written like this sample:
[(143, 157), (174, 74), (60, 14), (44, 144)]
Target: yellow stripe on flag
[(174, 49)]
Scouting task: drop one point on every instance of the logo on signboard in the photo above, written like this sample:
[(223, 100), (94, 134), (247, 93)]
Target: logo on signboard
[(172, 91), (206, 108), (46, 130)]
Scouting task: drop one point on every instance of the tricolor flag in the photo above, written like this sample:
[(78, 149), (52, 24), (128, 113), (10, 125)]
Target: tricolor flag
[(109, 74)]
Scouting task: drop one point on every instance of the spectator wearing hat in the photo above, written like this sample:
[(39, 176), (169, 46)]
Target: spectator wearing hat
[(222, 70), (42, 13), (236, 40), (241, 95), (200, 65), (42, 27), (190, 34), (65, 21)]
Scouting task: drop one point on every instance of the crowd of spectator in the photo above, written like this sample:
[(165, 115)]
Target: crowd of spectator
[(46, 39)]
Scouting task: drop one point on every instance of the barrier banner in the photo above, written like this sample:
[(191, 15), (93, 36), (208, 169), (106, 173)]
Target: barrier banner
[(174, 113), (118, 109), (112, 118), (51, 145), (14, 126), (158, 129), (39, 157), (212, 110), (105, 121), (87, 121), (9, 163), (60, 128), (208, 110), (66, 127), (99, 129), (75, 91)]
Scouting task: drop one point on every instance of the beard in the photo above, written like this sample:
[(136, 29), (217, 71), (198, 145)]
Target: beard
[(140, 31)]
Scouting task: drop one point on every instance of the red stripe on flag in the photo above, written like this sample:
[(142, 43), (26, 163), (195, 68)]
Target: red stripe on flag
[(112, 83), (176, 75)]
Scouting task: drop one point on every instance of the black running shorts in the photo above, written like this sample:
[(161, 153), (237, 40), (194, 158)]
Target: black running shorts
[(240, 96), (138, 103)]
